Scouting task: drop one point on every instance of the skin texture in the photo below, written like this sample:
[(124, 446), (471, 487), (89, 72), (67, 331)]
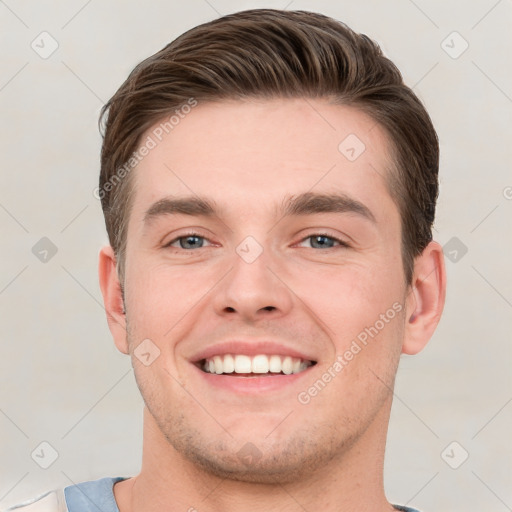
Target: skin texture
[(248, 157)]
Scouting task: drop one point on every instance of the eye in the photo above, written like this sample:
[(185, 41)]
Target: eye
[(324, 241), (187, 241), (195, 241)]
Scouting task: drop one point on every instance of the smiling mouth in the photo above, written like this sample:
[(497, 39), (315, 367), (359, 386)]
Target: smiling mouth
[(261, 365)]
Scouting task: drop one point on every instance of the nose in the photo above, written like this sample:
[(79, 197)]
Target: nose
[(254, 288)]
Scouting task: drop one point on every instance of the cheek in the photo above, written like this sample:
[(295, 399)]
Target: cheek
[(160, 296), (345, 297), (362, 311), (350, 298)]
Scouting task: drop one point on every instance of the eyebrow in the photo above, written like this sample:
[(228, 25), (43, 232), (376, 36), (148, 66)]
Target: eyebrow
[(307, 203)]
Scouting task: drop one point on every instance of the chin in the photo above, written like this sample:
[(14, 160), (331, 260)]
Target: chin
[(264, 461), (269, 469)]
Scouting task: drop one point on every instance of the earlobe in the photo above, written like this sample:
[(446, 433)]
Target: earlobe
[(112, 298), (426, 298)]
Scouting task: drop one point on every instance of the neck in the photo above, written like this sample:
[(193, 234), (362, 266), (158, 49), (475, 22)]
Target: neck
[(168, 481)]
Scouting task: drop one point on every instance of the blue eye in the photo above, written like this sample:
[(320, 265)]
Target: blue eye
[(187, 240), (323, 241), (191, 241)]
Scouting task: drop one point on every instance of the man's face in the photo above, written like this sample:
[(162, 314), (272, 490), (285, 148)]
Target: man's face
[(251, 280)]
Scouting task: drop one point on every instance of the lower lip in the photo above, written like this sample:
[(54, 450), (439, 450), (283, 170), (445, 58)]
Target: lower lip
[(252, 385)]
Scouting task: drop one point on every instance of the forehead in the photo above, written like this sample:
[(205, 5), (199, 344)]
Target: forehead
[(250, 155)]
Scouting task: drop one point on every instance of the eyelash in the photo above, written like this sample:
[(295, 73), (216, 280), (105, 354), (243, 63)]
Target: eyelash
[(342, 243)]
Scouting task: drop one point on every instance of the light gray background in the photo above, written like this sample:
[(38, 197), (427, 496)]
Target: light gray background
[(62, 380)]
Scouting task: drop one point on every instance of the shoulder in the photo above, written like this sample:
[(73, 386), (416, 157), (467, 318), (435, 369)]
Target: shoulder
[(82, 497), (51, 501), (92, 496)]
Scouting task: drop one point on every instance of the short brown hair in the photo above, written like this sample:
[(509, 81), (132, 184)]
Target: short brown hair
[(268, 54)]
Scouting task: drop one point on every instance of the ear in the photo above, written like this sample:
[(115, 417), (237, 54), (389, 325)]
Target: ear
[(113, 298), (426, 298)]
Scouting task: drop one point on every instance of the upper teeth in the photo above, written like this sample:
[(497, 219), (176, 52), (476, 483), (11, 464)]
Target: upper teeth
[(229, 363)]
